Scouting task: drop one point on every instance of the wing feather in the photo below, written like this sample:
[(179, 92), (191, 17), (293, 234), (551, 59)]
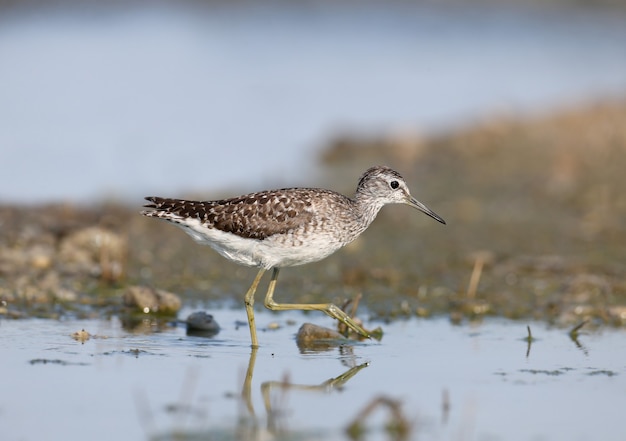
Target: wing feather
[(255, 216)]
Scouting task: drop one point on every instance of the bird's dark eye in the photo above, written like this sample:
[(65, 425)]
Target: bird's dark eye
[(394, 184)]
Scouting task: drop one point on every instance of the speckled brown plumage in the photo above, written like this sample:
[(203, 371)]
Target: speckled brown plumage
[(286, 227), (253, 216)]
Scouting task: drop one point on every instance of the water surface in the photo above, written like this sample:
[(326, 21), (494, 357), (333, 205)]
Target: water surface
[(473, 381)]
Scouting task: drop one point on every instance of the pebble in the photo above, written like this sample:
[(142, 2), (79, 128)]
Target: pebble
[(96, 251), (81, 336), (149, 300), (202, 323), (312, 335)]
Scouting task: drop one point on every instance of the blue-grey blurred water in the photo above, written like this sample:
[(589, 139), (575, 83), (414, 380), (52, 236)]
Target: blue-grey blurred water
[(128, 101)]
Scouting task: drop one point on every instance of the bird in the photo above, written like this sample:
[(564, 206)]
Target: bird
[(274, 229)]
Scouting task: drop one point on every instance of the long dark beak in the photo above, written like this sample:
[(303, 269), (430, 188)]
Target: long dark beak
[(424, 209)]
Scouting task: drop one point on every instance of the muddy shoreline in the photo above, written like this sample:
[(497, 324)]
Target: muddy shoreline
[(536, 229)]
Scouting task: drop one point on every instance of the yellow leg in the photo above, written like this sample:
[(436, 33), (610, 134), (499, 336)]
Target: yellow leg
[(246, 393), (249, 301), (327, 308)]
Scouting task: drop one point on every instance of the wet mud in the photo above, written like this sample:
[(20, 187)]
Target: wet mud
[(536, 225)]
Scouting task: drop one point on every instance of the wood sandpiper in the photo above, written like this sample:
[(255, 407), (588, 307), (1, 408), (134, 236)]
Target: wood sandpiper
[(288, 227)]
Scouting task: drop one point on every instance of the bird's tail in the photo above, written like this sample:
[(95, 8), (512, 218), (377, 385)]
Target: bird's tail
[(162, 207)]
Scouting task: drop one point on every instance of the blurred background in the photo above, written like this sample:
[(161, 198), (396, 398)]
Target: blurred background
[(118, 100), (507, 118)]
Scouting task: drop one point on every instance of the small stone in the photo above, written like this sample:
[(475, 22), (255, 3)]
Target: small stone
[(81, 336), (202, 322), (95, 251), (41, 261), (149, 300), (420, 311), (617, 313), (310, 335)]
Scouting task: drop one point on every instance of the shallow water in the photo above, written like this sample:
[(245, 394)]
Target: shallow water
[(473, 381)]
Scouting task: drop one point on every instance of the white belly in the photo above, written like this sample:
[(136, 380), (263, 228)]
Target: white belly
[(276, 251)]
